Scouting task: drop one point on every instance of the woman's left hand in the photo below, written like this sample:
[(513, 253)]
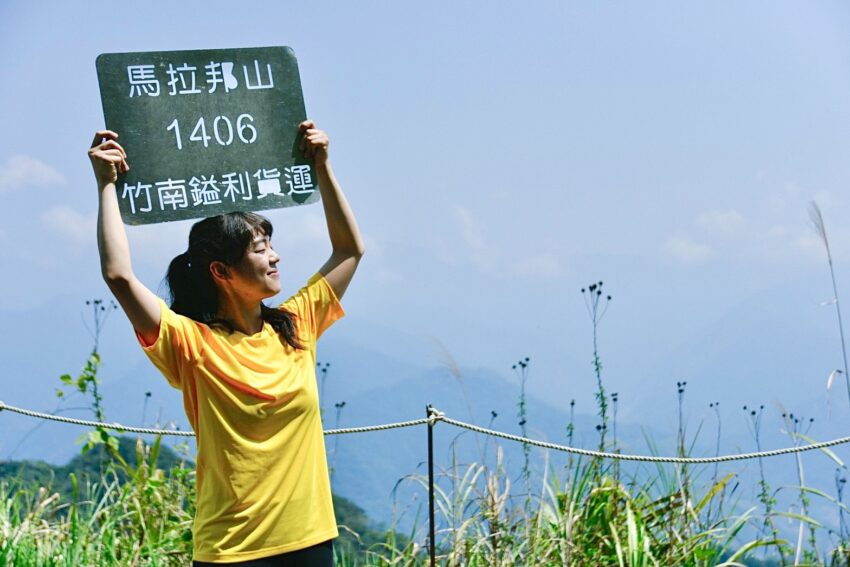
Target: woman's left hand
[(314, 142)]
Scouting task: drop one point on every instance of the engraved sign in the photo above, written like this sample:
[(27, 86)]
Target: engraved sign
[(206, 132)]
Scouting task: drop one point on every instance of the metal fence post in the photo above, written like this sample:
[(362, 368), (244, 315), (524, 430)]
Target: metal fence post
[(429, 412)]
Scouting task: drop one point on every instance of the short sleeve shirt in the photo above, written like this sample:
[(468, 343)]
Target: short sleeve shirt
[(252, 400)]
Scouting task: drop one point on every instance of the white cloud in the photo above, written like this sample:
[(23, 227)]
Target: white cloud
[(21, 171), (473, 237), (75, 227), (544, 265), (724, 223), (293, 232), (810, 244), (773, 229), (387, 276), (374, 247), (466, 244), (686, 250), (155, 245)]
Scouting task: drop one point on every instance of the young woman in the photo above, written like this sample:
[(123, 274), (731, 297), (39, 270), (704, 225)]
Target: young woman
[(247, 371)]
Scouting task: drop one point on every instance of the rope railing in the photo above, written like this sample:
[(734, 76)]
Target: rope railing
[(435, 416), (177, 432), (90, 423), (646, 458)]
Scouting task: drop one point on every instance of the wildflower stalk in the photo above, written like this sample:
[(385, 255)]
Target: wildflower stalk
[(145, 407), (571, 428), (795, 426), (322, 367), (521, 370), (714, 477), (592, 299), (765, 497), (681, 469), (493, 415), (99, 316), (840, 485), (338, 406), (614, 399)]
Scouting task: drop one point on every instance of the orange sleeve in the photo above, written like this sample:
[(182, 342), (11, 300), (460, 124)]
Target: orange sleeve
[(177, 346), (316, 307)]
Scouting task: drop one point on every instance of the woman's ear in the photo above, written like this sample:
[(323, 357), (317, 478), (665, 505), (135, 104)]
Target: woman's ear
[(219, 270)]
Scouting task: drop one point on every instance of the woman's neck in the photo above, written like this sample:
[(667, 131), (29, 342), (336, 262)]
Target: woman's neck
[(245, 317)]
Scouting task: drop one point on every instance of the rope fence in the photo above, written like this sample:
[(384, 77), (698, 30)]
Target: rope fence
[(646, 458), (435, 416)]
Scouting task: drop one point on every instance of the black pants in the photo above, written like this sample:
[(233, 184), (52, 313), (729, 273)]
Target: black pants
[(321, 555)]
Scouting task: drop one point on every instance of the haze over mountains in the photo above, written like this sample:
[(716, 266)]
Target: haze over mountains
[(773, 349)]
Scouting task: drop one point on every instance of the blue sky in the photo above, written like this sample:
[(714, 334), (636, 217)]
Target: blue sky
[(499, 157)]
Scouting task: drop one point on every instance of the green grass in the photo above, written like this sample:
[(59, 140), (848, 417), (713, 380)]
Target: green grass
[(123, 509), (578, 515), (128, 516)]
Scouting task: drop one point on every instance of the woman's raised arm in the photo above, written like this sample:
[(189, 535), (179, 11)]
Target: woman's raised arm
[(346, 242), (141, 305)]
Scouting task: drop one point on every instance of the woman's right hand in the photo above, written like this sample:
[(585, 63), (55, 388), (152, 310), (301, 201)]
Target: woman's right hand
[(108, 158)]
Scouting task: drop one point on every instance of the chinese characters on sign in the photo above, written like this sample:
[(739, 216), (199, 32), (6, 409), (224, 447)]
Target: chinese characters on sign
[(206, 132), (183, 79), (207, 190)]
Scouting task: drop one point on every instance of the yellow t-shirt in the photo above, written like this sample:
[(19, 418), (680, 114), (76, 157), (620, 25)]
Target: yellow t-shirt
[(262, 475)]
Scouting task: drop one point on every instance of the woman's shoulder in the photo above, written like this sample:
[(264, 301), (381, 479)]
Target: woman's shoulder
[(316, 288)]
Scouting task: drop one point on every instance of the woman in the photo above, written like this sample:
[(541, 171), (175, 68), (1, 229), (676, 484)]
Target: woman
[(247, 371)]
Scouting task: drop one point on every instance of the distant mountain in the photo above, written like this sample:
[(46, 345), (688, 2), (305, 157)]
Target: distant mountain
[(88, 467), (374, 468)]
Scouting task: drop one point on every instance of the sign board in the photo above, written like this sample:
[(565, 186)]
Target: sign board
[(206, 132)]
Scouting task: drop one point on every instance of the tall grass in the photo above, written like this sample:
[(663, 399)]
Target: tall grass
[(137, 515), (142, 516), (578, 518), (820, 227)]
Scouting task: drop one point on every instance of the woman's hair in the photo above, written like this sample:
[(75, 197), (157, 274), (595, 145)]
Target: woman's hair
[(223, 238)]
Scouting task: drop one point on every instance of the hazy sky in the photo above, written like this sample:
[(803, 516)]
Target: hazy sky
[(499, 156)]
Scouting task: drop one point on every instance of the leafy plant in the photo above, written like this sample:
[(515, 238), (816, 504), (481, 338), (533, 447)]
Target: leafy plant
[(87, 381)]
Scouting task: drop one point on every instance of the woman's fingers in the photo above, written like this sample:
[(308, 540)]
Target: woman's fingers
[(106, 148), (101, 134), (317, 137), (313, 140), (108, 153), (110, 144), (107, 157), (112, 156)]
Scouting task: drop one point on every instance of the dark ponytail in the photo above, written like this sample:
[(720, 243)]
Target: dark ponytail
[(193, 292), (223, 238)]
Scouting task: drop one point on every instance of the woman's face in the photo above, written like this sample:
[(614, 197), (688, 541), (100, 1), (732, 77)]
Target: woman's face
[(257, 272)]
